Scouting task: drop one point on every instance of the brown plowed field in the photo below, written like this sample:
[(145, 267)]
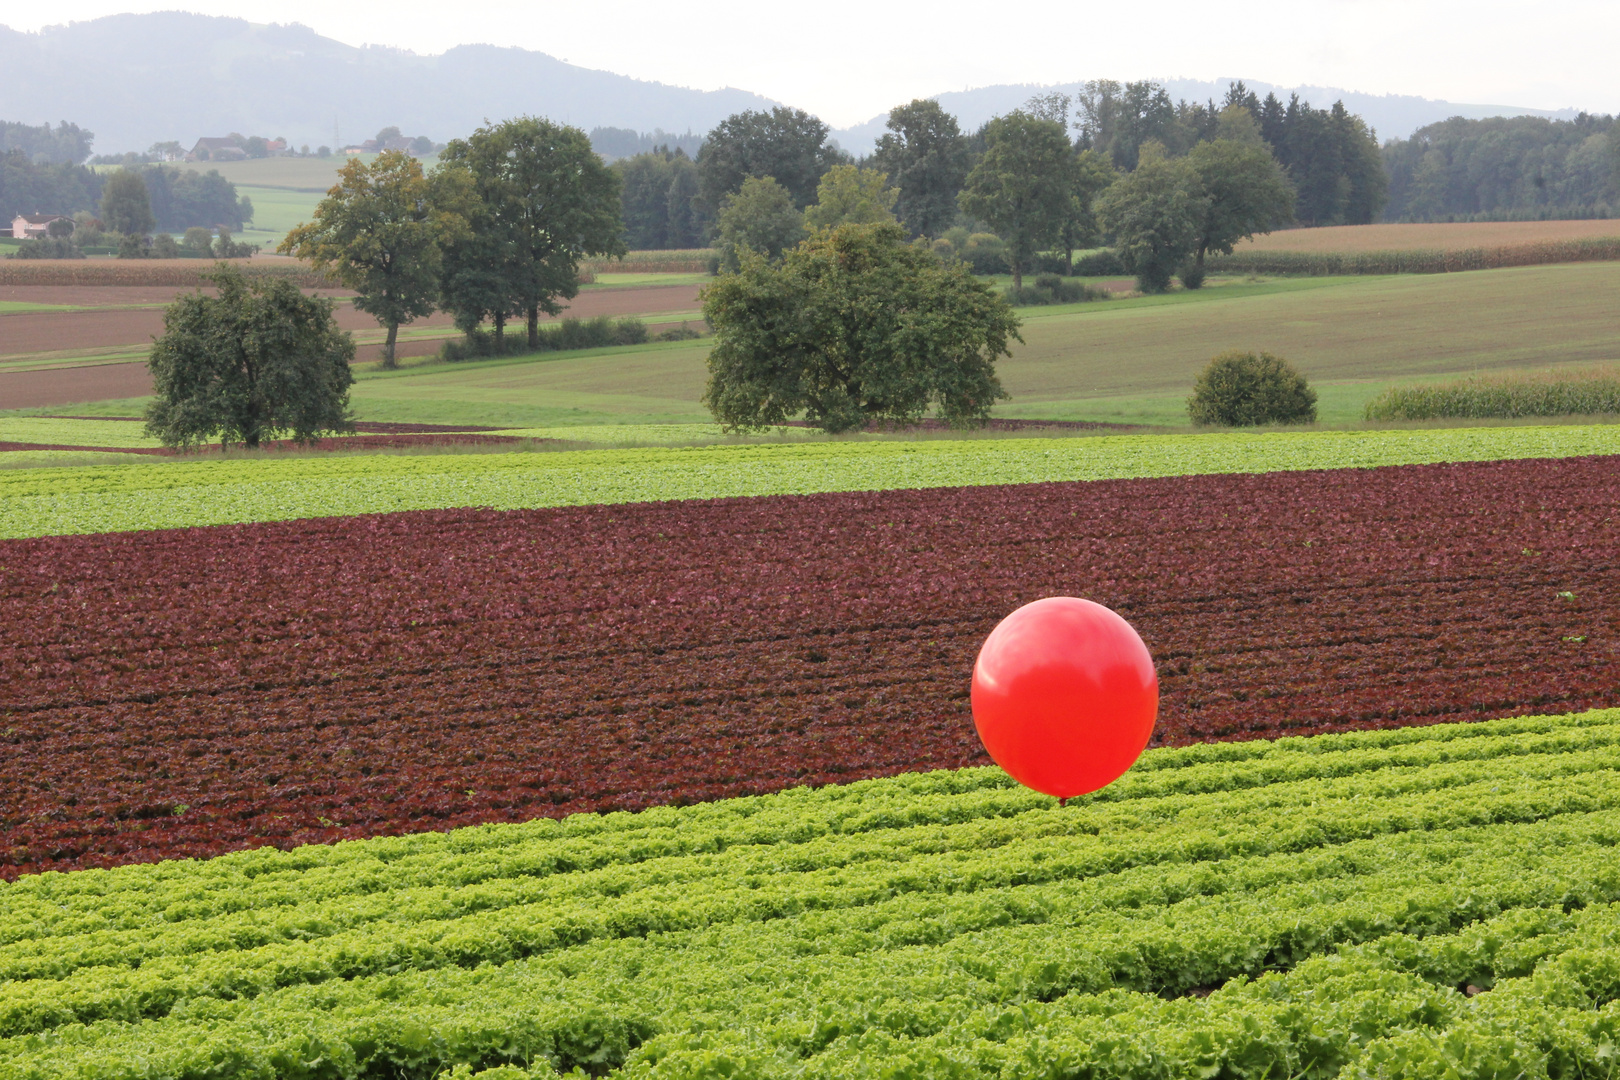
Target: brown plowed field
[(110, 295), (63, 386), (191, 691)]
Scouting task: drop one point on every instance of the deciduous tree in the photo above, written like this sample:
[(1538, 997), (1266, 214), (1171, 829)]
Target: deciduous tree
[(1091, 175), (1154, 214), (787, 144), (855, 325), (760, 218), (926, 158), (258, 359), (546, 200), (851, 196), (1244, 192), (126, 207), (1023, 186), (378, 232)]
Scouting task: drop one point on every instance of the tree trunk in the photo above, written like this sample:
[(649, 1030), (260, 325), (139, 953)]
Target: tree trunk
[(388, 347), (1068, 262), (534, 326), (500, 333), (1018, 273), (1200, 256)]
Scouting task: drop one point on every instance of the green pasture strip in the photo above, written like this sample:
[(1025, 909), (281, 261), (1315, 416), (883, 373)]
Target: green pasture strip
[(23, 307), (1305, 908), (610, 280), (173, 494), (53, 432), (72, 358)]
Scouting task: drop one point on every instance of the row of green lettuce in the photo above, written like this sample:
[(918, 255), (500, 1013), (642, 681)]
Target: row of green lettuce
[(1422, 902), (156, 494)]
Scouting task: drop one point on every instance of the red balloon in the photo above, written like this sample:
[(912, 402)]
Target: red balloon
[(1064, 696)]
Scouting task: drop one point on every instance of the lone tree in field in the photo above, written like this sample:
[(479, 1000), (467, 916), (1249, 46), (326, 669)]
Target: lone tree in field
[(1023, 187), (259, 359), (1154, 215), (544, 200), (854, 326), (1243, 389), (379, 231)]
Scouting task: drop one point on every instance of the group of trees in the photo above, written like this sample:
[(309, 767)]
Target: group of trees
[(1505, 167), (65, 144), (184, 198), (34, 187), (1036, 177), (494, 233), (659, 200)]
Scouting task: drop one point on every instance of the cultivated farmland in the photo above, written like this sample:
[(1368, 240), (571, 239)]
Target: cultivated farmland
[(174, 494), (1431, 236), (1427, 902), (423, 671)]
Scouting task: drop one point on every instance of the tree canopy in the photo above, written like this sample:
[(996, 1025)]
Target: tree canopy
[(182, 198), (659, 200), (851, 196), (545, 200), (1023, 186), (1244, 192), (379, 230), (926, 158), (1154, 215), (760, 218), (787, 144), (256, 360), (854, 326), (1505, 166), (126, 207)]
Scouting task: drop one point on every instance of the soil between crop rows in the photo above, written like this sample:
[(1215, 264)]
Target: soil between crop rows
[(195, 691)]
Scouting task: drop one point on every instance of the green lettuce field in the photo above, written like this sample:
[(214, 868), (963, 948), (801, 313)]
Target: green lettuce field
[(1425, 902)]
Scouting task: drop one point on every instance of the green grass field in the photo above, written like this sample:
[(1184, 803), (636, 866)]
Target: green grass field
[(1124, 361), (275, 212), (1419, 903), (1135, 360), (313, 175)]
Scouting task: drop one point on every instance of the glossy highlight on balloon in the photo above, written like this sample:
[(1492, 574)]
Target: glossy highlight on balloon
[(1064, 696)]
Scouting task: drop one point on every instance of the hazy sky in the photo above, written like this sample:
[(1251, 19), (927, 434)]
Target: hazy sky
[(848, 60)]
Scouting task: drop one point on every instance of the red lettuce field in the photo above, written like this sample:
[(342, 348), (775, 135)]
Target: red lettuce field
[(196, 691)]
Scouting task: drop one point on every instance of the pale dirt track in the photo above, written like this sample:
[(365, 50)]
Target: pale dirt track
[(57, 332)]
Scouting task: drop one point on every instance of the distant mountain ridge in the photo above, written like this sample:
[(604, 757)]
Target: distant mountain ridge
[(136, 80)]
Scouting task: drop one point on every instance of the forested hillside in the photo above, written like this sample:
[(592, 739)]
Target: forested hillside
[(1505, 167)]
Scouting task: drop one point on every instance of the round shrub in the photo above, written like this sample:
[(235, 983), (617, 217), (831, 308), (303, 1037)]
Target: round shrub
[(1242, 389)]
